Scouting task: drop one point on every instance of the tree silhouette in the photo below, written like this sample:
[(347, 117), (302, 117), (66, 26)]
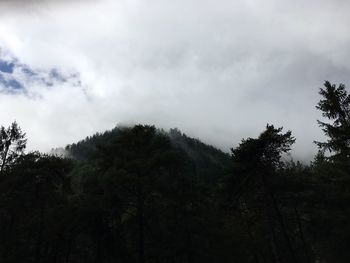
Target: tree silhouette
[(140, 194), (12, 144), (335, 105), (255, 164)]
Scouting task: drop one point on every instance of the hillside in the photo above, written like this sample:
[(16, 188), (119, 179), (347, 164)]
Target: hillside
[(210, 162), (140, 194)]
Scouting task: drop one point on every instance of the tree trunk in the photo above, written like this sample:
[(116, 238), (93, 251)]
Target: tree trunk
[(39, 240), (302, 236), (268, 191), (4, 157), (140, 219)]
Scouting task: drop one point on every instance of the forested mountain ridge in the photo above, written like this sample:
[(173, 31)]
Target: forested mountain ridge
[(142, 195), (210, 162)]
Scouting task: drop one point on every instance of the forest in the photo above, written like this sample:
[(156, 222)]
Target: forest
[(145, 195)]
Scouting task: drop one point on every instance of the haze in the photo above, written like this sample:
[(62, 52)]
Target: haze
[(217, 70)]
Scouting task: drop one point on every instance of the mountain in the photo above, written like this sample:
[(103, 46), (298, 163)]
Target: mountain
[(210, 162)]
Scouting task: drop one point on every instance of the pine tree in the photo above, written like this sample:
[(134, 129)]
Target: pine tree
[(335, 106)]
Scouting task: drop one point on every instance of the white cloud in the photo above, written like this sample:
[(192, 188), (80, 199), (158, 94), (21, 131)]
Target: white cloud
[(218, 70)]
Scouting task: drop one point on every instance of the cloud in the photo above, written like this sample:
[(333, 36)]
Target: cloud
[(218, 71), (16, 77), (25, 3)]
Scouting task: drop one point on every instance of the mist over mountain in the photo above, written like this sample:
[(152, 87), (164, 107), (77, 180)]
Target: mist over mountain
[(137, 194), (219, 72), (210, 163), (93, 170)]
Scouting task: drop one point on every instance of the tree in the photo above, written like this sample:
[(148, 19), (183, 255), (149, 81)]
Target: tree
[(255, 164), (335, 106), (12, 144), (147, 183), (35, 209), (266, 150)]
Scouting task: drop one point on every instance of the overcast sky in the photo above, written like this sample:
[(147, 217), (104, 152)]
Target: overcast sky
[(217, 70)]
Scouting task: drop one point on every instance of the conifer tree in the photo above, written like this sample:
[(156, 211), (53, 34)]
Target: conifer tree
[(335, 105)]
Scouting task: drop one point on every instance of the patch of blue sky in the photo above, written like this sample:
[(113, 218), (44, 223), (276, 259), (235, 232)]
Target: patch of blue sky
[(10, 85), (16, 77), (15, 85), (6, 67)]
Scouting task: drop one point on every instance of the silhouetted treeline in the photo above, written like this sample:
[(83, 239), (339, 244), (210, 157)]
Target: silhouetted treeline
[(140, 194)]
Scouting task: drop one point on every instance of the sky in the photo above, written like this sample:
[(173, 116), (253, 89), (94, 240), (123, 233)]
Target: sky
[(217, 70)]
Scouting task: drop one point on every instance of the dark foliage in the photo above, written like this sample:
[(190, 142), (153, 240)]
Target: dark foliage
[(140, 194), (335, 105)]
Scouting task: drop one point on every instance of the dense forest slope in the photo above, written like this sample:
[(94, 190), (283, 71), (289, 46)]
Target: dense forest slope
[(209, 162), (142, 195)]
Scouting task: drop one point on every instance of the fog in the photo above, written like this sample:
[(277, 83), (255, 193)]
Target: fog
[(217, 70)]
